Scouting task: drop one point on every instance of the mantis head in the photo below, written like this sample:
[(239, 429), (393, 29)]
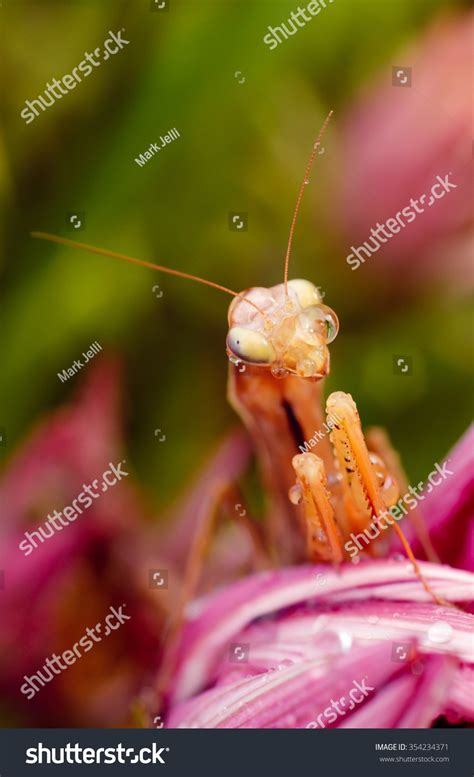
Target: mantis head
[(284, 329)]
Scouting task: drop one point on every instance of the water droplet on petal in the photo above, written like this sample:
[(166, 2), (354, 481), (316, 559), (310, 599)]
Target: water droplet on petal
[(346, 640), (333, 641), (320, 623), (440, 632), (418, 667)]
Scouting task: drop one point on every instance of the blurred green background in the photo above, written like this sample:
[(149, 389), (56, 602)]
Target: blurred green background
[(243, 147)]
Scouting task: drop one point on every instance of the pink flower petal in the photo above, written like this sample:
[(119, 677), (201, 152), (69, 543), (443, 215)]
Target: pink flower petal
[(460, 699), (289, 697), (428, 700), (449, 510), (386, 708), (215, 621)]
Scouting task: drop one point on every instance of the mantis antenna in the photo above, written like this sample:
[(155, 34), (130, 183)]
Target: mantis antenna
[(300, 196), (104, 252)]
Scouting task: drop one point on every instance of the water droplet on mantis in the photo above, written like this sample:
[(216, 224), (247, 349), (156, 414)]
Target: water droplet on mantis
[(295, 494), (280, 372)]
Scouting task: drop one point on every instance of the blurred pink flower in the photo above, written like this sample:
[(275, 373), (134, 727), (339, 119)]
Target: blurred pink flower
[(68, 582), (396, 140)]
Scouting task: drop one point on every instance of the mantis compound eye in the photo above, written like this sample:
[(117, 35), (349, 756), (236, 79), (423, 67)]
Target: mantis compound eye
[(250, 346), (306, 292)]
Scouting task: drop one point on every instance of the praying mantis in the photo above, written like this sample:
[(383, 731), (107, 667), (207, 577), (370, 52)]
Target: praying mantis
[(277, 344)]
